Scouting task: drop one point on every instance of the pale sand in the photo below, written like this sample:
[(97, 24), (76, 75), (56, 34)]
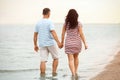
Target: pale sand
[(112, 71)]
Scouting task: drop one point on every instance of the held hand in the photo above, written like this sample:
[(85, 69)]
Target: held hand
[(60, 45), (36, 48)]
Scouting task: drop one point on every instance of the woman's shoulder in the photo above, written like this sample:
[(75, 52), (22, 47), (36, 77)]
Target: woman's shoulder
[(65, 25)]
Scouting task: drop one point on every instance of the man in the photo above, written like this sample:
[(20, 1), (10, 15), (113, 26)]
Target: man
[(46, 35)]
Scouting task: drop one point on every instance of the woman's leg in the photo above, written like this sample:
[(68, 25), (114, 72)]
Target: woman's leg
[(76, 62), (71, 63)]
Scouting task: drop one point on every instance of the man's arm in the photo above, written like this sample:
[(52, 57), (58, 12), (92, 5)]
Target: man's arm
[(35, 41), (56, 38)]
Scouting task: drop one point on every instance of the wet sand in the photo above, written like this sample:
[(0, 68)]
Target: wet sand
[(112, 70)]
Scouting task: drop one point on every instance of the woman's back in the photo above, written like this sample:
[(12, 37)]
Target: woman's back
[(73, 40)]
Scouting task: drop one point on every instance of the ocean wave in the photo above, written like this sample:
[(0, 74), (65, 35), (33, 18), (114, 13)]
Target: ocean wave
[(18, 70)]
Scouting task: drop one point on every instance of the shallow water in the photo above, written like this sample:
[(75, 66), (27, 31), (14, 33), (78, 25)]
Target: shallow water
[(19, 61)]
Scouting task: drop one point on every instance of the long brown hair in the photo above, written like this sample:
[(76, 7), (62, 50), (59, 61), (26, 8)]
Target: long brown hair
[(72, 19)]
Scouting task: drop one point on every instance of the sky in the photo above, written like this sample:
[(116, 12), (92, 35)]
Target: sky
[(30, 11)]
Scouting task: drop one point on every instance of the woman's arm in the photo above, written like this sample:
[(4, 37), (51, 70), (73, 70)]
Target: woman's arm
[(63, 34), (82, 37)]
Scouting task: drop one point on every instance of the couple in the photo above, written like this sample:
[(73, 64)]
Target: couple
[(46, 35)]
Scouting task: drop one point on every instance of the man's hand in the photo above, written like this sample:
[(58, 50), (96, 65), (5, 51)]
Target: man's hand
[(36, 48)]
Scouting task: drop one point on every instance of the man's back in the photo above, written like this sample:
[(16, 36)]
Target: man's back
[(44, 31), (44, 28)]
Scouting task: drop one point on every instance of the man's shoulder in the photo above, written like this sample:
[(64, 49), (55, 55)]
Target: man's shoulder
[(39, 21), (49, 21), (45, 20)]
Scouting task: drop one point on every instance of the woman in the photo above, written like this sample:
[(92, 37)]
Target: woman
[(74, 35)]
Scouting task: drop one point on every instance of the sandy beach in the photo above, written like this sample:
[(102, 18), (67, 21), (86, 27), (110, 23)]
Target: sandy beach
[(112, 70)]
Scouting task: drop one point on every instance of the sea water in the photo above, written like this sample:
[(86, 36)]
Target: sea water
[(18, 61)]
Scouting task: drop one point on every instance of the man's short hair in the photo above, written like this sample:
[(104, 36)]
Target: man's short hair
[(46, 11)]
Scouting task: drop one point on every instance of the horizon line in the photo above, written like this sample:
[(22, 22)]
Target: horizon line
[(53, 23)]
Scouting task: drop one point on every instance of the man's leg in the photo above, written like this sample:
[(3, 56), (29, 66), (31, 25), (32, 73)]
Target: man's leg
[(42, 67), (43, 56), (55, 64), (54, 53)]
